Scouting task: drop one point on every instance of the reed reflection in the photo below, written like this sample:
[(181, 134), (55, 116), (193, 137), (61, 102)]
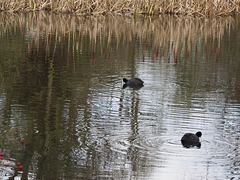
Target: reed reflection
[(168, 35)]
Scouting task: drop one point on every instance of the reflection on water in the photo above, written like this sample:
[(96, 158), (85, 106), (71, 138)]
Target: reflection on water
[(64, 113)]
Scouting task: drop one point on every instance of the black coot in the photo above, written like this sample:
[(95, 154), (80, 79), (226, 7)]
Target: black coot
[(135, 83), (191, 140)]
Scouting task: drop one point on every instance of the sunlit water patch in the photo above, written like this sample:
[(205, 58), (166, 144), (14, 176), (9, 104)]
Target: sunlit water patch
[(149, 128)]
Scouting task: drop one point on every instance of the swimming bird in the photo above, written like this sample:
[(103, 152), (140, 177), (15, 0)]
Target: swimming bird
[(135, 83), (190, 140)]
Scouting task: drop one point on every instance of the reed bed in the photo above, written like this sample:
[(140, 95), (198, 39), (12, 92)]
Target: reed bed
[(132, 7)]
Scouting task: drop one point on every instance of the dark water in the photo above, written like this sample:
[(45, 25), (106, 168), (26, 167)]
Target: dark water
[(64, 114)]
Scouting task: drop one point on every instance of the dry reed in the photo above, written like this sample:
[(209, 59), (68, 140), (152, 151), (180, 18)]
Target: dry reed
[(149, 7)]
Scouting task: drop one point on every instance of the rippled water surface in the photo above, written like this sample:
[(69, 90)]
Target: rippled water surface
[(65, 115)]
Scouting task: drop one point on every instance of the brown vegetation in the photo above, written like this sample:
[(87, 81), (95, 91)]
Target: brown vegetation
[(149, 7)]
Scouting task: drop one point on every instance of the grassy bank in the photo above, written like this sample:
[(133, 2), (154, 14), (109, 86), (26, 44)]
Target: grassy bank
[(149, 7)]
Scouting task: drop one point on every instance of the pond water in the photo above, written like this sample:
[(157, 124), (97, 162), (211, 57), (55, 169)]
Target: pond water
[(65, 115)]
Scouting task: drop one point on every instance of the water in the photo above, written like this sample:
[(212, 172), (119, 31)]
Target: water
[(65, 115)]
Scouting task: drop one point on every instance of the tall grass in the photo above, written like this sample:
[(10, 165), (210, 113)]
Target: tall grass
[(149, 7)]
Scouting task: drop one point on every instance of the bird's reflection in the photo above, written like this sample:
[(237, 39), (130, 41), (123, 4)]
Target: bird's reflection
[(190, 144), (136, 87)]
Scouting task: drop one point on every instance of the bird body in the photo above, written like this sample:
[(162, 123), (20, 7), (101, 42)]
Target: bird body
[(133, 83), (191, 140)]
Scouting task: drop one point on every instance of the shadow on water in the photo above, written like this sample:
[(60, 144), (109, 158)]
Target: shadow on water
[(136, 87), (65, 115)]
